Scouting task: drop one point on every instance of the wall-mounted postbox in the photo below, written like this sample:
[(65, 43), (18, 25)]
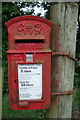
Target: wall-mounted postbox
[(29, 62)]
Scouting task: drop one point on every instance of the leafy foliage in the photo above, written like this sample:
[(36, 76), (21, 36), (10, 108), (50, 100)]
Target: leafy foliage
[(77, 70)]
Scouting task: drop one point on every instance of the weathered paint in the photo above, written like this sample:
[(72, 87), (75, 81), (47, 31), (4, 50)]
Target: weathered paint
[(22, 29), (29, 34), (64, 17)]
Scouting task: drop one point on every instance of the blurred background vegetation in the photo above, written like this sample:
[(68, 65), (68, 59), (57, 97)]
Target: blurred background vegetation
[(15, 9)]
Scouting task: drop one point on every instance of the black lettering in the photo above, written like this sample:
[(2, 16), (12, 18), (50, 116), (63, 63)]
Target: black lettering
[(27, 81), (21, 70), (22, 84), (29, 84), (27, 71)]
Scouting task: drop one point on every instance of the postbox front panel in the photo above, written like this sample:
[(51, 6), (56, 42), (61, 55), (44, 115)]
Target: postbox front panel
[(29, 80)]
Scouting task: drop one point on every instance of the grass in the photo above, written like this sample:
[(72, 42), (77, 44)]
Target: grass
[(10, 114), (36, 114)]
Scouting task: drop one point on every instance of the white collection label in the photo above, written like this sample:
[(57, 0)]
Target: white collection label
[(30, 81)]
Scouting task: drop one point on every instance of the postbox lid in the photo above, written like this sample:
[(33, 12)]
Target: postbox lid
[(29, 33), (28, 17)]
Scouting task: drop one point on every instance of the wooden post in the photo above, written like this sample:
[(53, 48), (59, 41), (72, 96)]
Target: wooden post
[(63, 39)]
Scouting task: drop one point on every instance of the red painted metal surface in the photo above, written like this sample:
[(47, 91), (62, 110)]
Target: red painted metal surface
[(22, 29), (28, 17), (29, 34), (29, 37)]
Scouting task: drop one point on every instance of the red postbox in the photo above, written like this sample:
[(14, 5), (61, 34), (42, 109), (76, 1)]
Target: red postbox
[(29, 62)]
